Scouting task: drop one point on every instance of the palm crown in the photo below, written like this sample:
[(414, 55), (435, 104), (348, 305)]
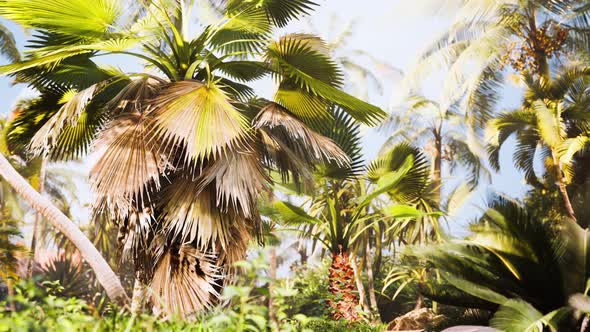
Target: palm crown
[(185, 147)]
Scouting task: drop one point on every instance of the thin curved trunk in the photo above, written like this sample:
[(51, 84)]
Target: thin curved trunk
[(563, 188), (272, 273), (359, 285), (371, 280), (104, 274), (437, 164), (38, 217)]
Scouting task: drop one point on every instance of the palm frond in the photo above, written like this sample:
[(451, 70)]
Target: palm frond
[(186, 281), (294, 215), (301, 67), (199, 117), (413, 184), (129, 165), (311, 146), (76, 17), (236, 192), (68, 116), (8, 46)]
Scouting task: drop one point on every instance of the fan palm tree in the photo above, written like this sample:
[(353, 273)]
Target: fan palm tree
[(184, 147), (553, 121), (507, 263), (486, 36)]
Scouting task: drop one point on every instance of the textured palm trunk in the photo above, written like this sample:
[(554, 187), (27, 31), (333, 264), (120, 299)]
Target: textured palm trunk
[(104, 274), (10, 290), (35, 237), (342, 286)]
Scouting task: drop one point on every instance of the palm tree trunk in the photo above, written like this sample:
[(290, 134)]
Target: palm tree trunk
[(563, 188), (342, 287), (371, 280), (10, 290), (138, 297), (359, 285), (105, 275), (34, 240), (437, 165), (272, 273)]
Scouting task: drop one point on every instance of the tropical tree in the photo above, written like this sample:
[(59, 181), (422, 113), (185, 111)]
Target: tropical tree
[(8, 46), (184, 147), (442, 133), (487, 36), (552, 122), (346, 217)]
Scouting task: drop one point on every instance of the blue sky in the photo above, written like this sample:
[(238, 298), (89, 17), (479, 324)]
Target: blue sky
[(392, 31)]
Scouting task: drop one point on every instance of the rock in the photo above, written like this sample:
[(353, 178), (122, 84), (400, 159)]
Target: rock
[(415, 320)]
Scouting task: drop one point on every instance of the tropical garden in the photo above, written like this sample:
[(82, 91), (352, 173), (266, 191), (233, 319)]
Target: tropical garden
[(236, 165)]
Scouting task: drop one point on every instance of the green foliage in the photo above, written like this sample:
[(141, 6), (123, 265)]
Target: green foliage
[(326, 325), (311, 284)]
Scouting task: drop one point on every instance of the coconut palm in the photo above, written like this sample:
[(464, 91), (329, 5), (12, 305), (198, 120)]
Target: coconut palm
[(552, 121), (442, 134), (8, 46), (487, 36), (184, 147)]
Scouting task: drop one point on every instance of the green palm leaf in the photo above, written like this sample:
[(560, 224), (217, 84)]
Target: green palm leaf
[(199, 116), (76, 17)]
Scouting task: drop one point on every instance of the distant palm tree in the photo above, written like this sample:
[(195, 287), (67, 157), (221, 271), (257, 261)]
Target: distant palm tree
[(8, 46), (442, 134), (551, 123), (184, 147), (486, 36)]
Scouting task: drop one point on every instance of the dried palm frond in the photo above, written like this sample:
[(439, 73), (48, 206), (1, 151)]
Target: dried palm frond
[(199, 116), (277, 154), (279, 124), (234, 190), (130, 165), (135, 233), (186, 281), (137, 94), (191, 214)]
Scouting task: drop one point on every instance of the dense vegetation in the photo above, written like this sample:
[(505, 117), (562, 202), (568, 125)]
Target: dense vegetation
[(217, 209)]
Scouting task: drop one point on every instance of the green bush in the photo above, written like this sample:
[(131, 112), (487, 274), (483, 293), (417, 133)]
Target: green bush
[(311, 285)]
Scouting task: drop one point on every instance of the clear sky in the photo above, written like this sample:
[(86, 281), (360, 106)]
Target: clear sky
[(392, 31)]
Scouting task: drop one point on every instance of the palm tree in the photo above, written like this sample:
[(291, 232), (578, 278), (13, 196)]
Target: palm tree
[(184, 147), (8, 46), (487, 36), (425, 122), (341, 212), (506, 265), (551, 121)]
